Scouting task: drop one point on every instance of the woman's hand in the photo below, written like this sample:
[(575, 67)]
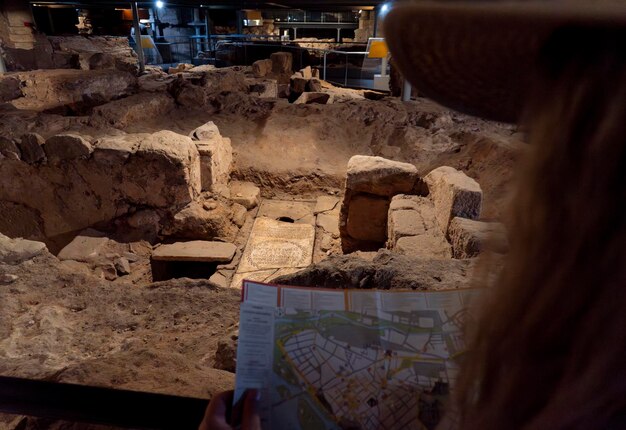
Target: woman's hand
[(221, 415)]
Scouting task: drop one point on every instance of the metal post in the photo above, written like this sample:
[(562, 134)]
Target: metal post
[(375, 12), (142, 63), (325, 53), (406, 91), (346, 77), (338, 35), (295, 33)]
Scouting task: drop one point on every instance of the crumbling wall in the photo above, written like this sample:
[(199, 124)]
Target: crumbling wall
[(14, 14), (70, 183)]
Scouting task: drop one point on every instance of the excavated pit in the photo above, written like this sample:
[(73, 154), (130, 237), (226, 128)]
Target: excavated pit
[(171, 159)]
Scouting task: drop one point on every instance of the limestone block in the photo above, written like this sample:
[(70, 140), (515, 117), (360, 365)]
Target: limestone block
[(314, 85), (325, 204), (196, 250), (298, 84), (67, 147), (319, 98), (49, 89), (101, 60), (262, 68), (379, 176), (208, 131), (283, 91), (216, 157), (138, 107), (85, 247), (469, 237), (307, 73), (329, 222), (196, 222), (114, 150), (239, 214), (245, 193), (15, 251), (267, 88), (281, 62), (9, 88), (8, 148), (31, 147), (370, 183), (454, 194), (367, 218), (425, 246)]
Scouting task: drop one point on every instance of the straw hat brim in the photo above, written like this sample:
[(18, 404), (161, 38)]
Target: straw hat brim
[(479, 57)]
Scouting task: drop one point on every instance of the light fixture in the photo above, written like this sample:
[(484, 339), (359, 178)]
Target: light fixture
[(159, 4), (384, 8)]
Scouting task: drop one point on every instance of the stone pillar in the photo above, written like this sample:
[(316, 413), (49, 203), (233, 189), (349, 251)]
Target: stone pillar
[(371, 182)]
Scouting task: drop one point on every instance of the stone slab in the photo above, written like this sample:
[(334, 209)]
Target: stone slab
[(325, 204), (245, 193), (196, 250), (424, 246), (261, 276), (85, 247), (454, 194), (276, 245), (14, 251), (300, 212), (469, 237), (329, 222)]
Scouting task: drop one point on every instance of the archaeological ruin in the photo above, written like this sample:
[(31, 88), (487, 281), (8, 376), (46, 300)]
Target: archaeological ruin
[(138, 190)]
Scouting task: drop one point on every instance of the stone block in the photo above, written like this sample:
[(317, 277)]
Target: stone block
[(196, 250), (8, 148), (132, 109), (370, 183), (314, 85), (31, 148), (424, 246), (67, 147), (262, 68), (216, 157), (85, 247), (329, 222), (180, 67), (298, 84), (309, 98), (469, 237), (15, 251), (414, 217), (208, 131), (245, 193), (10, 88), (307, 73), (325, 204), (267, 88), (379, 176), (454, 194), (197, 222), (282, 62), (367, 218)]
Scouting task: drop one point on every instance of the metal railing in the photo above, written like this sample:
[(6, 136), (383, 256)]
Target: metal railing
[(344, 68), (350, 69)]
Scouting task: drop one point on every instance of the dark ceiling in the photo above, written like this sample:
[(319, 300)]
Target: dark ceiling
[(233, 4)]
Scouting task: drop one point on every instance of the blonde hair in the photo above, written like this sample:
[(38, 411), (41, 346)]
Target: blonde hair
[(549, 348)]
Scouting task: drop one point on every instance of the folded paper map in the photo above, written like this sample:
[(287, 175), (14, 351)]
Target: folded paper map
[(349, 359)]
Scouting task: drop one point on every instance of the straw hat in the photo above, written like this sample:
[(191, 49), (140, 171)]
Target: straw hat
[(478, 57)]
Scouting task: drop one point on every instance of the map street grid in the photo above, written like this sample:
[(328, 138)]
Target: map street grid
[(359, 359)]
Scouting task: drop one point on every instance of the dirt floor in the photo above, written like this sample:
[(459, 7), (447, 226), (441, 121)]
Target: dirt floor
[(61, 321)]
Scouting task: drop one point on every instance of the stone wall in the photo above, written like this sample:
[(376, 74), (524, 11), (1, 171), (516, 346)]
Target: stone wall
[(68, 183), (68, 52), (14, 14)]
